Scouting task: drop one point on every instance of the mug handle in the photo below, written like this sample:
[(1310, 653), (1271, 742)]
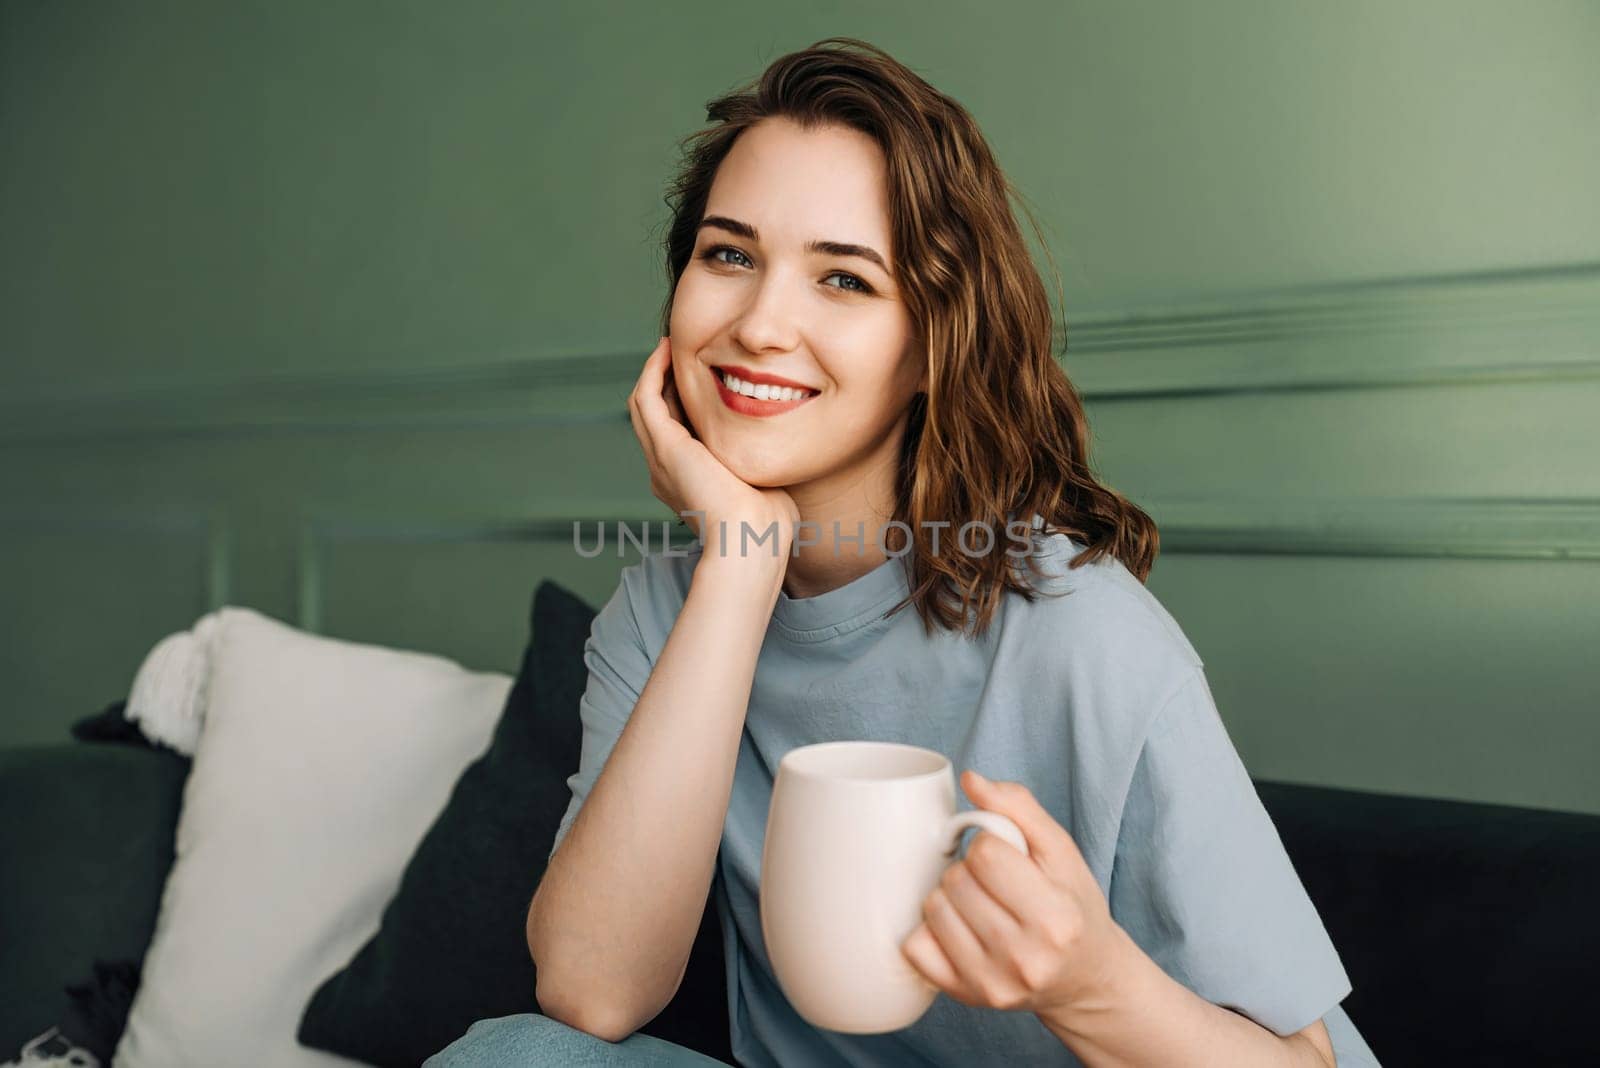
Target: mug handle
[(992, 822)]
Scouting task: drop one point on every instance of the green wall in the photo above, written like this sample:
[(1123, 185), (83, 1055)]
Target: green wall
[(329, 310)]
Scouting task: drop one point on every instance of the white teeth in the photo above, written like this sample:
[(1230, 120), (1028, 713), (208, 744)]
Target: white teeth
[(763, 391)]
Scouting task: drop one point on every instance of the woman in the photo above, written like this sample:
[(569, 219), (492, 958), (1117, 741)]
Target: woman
[(857, 368)]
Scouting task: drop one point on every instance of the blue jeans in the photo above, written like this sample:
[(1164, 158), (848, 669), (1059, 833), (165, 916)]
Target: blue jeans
[(533, 1040)]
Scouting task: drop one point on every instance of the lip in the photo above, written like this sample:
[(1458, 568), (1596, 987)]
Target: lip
[(750, 405)]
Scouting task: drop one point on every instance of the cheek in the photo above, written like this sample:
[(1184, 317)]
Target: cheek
[(880, 377), (870, 348), (697, 306)]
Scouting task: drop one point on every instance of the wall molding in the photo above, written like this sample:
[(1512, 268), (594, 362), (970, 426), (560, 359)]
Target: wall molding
[(1525, 325), (209, 527), (1446, 528), (320, 530), (1518, 326), (1438, 527)]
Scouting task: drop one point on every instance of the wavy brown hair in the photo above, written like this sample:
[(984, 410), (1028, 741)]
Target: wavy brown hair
[(1000, 435)]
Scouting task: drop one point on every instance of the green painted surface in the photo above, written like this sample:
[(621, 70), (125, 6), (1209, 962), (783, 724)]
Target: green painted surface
[(301, 304)]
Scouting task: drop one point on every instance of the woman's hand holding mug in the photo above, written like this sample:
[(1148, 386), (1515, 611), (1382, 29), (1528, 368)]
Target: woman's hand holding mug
[(858, 836), (685, 476)]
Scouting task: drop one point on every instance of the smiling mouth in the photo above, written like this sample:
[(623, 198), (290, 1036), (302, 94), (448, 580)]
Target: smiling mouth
[(749, 398)]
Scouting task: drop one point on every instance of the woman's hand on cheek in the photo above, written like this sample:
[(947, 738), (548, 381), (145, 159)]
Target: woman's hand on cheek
[(688, 478), (1013, 932)]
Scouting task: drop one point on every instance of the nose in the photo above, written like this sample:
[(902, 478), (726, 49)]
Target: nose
[(767, 321)]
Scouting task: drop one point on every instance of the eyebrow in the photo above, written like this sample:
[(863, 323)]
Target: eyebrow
[(831, 248)]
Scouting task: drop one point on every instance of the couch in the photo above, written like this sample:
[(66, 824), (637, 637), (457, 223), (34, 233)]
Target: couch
[(1467, 929)]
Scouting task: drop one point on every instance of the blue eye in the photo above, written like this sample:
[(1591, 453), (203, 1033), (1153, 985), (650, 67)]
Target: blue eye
[(841, 274), (712, 255)]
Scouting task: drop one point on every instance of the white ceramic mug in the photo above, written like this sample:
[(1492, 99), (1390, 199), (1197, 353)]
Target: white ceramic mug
[(858, 834)]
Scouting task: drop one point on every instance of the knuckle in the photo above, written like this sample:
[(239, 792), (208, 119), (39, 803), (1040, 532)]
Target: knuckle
[(1061, 930), (993, 993), (1011, 944), (1034, 970)]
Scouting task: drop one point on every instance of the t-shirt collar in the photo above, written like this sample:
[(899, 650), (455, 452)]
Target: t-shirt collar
[(856, 602)]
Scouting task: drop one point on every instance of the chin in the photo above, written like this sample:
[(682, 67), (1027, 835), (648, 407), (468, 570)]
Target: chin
[(767, 482), (754, 472), (760, 476)]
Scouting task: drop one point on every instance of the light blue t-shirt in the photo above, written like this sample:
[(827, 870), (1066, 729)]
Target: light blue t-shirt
[(1095, 700)]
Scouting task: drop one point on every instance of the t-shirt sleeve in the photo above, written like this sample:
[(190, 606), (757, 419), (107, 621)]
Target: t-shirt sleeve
[(1202, 883), (618, 668)]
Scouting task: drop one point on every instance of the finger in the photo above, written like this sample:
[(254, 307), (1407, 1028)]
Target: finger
[(639, 408), (649, 391), (1048, 842), (665, 431), (675, 404), (957, 940), (1014, 881), (639, 431), (634, 415), (994, 925), (926, 956)]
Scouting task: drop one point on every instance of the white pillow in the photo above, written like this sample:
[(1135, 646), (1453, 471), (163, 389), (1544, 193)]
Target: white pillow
[(320, 765), (168, 698)]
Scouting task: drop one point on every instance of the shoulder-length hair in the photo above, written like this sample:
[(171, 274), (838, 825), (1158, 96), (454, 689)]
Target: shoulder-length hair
[(1000, 435)]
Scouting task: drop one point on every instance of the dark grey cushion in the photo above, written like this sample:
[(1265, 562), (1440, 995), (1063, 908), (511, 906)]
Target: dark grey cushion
[(86, 836), (451, 949), (1468, 930)]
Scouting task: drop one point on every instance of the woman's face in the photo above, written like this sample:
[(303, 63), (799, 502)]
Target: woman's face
[(774, 288)]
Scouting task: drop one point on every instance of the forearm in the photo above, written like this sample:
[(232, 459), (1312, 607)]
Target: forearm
[(1145, 1017), (616, 913)]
